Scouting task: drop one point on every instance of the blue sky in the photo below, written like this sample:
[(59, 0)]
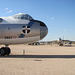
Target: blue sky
[(58, 15)]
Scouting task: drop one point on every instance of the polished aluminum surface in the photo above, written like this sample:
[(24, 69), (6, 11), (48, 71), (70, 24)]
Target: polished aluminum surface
[(12, 31)]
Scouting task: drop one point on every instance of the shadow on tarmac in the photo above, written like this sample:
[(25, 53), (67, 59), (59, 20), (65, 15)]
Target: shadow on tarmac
[(38, 56)]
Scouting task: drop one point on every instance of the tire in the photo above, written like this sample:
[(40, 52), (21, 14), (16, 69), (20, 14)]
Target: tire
[(7, 50), (3, 51)]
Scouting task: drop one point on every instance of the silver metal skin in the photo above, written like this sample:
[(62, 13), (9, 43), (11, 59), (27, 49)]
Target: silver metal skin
[(21, 30), (43, 31)]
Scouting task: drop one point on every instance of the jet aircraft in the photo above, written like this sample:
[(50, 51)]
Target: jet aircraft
[(20, 29)]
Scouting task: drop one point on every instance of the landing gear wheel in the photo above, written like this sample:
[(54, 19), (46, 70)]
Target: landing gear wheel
[(5, 51)]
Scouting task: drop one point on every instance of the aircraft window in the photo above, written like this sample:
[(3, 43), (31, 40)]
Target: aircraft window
[(1, 20), (23, 16)]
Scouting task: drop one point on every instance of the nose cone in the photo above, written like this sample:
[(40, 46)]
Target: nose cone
[(43, 30)]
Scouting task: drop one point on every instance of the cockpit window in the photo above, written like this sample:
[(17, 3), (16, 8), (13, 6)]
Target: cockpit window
[(22, 16)]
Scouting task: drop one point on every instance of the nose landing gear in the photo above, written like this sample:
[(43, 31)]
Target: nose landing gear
[(5, 51)]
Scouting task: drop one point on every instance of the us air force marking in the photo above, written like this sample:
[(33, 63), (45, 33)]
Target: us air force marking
[(26, 29)]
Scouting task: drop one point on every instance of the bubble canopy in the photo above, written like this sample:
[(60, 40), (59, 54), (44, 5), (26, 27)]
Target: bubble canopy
[(22, 16)]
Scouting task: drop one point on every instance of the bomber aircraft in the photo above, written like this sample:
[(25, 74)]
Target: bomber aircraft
[(20, 29)]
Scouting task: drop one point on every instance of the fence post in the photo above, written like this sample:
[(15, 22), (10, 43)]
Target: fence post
[(23, 52)]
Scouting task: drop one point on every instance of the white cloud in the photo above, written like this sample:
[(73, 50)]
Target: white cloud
[(52, 18), (6, 8), (9, 11)]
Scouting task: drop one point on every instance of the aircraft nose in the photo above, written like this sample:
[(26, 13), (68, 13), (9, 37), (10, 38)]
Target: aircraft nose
[(43, 30)]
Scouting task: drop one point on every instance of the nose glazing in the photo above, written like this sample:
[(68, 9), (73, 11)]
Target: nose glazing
[(43, 30)]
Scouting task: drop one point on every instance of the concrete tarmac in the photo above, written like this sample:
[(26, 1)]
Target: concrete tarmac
[(38, 60)]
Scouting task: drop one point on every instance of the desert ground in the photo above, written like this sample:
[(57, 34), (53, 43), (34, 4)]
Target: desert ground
[(38, 60)]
